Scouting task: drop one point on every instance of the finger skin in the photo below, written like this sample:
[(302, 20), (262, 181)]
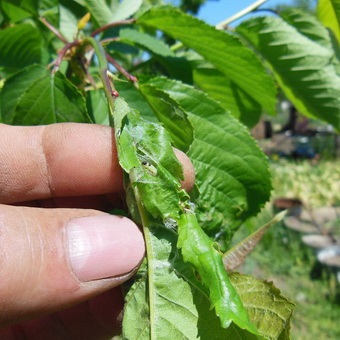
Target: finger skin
[(62, 160), (36, 275), (57, 160)]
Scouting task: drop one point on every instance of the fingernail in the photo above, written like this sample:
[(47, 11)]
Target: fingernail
[(103, 246)]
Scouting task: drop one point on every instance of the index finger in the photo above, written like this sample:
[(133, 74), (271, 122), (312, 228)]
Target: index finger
[(57, 160), (60, 160)]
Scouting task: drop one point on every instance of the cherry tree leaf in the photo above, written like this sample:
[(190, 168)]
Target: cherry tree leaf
[(51, 99), (15, 87), (20, 45), (231, 170), (328, 12), (303, 68), (269, 311), (223, 50)]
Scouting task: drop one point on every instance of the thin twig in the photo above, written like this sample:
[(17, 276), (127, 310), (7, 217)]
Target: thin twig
[(89, 77), (121, 69), (112, 24), (222, 25), (57, 33), (110, 92), (62, 53)]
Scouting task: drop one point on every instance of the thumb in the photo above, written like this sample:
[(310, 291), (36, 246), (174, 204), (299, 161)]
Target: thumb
[(51, 259)]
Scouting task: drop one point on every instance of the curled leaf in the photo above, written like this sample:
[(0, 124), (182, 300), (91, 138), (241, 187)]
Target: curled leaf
[(234, 257), (198, 249)]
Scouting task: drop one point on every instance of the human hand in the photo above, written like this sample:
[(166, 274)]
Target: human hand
[(60, 267)]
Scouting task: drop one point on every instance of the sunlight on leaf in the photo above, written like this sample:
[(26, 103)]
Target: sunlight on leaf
[(303, 68), (222, 49), (231, 170), (328, 12), (268, 310)]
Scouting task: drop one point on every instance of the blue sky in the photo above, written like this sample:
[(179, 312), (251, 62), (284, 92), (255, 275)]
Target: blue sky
[(214, 12)]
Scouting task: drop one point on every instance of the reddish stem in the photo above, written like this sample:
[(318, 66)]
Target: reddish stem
[(62, 53), (121, 69), (57, 33), (112, 24)]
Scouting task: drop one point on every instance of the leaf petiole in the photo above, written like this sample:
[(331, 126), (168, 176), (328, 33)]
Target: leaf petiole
[(57, 33), (112, 24)]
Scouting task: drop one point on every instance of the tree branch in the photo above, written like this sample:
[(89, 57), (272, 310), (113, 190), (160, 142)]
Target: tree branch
[(121, 69), (222, 25), (62, 53), (57, 33), (112, 24)]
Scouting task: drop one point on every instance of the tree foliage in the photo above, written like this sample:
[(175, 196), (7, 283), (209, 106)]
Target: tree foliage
[(104, 62)]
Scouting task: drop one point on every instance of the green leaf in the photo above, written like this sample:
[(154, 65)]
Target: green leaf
[(168, 301), (171, 115), (18, 10), (20, 46), (269, 311), (229, 95), (103, 14), (136, 101), (147, 41), (67, 23), (223, 50), (48, 100), (136, 321), (14, 11), (235, 256), (160, 305), (328, 12), (49, 9), (97, 106), (126, 9), (231, 171), (177, 67), (308, 25), (145, 153), (15, 86), (70, 13), (303, 68), (198, 249), (100, 11)]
